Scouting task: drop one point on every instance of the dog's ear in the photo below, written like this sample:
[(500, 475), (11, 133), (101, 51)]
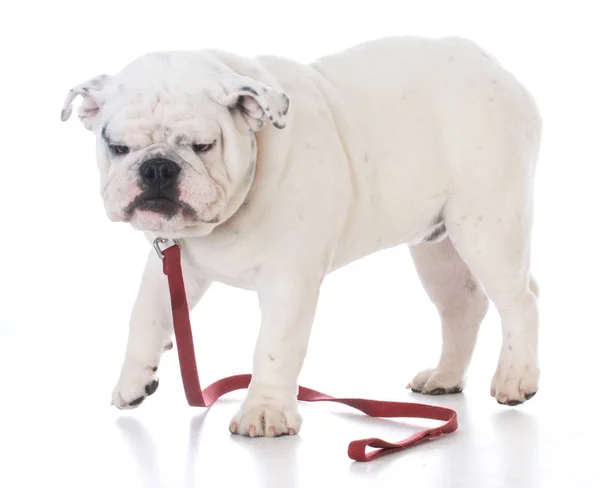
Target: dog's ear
[(257, 102), (91, 93)]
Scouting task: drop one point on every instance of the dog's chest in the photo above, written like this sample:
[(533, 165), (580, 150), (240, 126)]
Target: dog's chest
[(236, 266)]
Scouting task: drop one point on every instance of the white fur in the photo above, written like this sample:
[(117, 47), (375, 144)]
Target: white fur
[(381, 143)]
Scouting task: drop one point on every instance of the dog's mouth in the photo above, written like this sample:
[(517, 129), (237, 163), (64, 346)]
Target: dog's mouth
[(161, 204)]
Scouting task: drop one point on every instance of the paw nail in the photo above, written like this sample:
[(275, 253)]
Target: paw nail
[(252, 431), (151, 387), (291, 432), (233, 428), (272, 432), (136, 402), (168, 347)]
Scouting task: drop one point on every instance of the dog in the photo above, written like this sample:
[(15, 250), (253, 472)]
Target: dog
[(273, 173)]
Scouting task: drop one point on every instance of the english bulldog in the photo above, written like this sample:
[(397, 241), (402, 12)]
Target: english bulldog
[(273, 173)]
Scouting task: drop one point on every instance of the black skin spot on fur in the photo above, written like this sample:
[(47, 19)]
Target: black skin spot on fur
[(96, 83), (471, 285), (249, 90), (437, 233), (104, 135), (213, 221), (278, 125), (271, 357)]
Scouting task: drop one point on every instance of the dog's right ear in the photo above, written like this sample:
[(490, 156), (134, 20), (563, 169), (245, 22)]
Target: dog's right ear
[(91, 93)]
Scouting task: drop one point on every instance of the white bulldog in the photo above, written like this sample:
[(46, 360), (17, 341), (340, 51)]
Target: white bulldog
[(273, 173)]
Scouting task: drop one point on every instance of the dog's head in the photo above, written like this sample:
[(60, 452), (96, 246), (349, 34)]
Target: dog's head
[(175, 134)]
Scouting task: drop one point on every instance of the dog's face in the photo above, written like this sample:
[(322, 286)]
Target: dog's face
[(175, 134)]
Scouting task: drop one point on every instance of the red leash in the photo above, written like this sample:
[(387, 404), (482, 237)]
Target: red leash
[(357, 450)]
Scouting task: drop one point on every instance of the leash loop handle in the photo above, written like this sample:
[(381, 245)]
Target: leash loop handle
[(196, 397)]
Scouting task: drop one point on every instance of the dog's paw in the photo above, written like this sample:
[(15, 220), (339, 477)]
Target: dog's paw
[(436, 382), (135, 384), (516, 379), (266, 415)]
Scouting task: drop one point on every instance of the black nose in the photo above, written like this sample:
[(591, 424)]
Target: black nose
[(159, 172)]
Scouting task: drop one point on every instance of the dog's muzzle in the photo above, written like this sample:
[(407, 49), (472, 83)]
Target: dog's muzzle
[(158, 179)]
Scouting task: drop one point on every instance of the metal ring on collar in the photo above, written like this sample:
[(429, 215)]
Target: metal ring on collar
[(163, 240)]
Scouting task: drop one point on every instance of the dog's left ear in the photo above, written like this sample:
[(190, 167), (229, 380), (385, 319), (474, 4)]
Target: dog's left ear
[(258, 103), (91, 92)]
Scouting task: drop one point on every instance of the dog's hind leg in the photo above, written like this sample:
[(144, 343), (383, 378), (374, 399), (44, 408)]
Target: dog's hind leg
[(461, 304), (490, 227)]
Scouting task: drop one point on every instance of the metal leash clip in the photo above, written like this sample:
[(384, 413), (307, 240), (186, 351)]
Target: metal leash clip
[(163, 240)]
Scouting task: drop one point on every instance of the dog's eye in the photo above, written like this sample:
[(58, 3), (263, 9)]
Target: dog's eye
[(116, 149), (201, 147)]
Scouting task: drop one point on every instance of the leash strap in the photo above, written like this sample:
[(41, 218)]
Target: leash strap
[(357, 450)]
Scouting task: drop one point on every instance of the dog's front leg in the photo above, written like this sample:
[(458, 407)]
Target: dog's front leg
[(288, 306), (150, 332)]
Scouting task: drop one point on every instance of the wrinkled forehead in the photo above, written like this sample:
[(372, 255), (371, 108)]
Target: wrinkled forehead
[(138, 117), (161, 96)]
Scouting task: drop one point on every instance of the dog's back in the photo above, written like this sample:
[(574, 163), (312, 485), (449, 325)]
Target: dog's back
[(422, 119)]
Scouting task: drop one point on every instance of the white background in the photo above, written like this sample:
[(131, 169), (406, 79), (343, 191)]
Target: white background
[(69, 276)]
